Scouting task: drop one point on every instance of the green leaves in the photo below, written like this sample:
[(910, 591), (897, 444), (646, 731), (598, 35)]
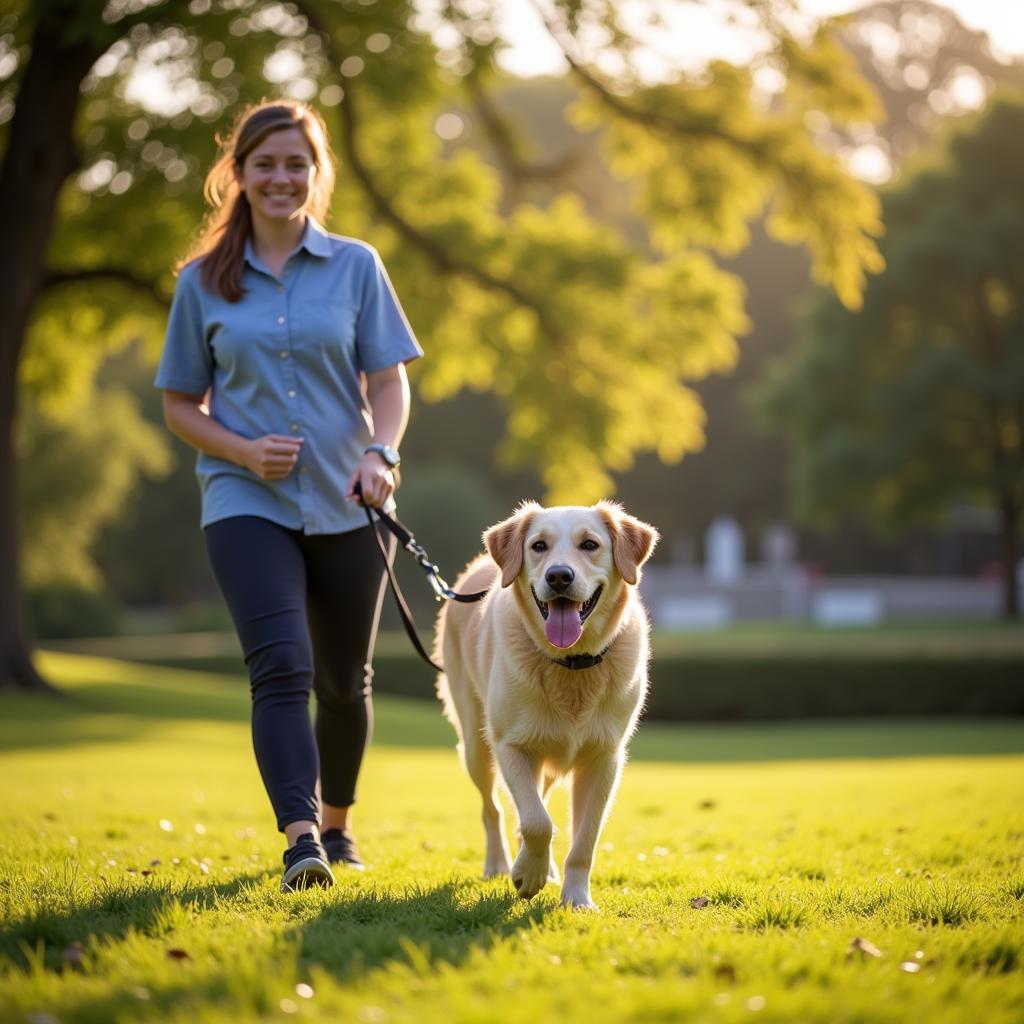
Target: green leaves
[(83, 465), (918, 400), (589, 332)]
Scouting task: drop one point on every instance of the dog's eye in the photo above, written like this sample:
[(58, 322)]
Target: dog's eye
[(589, 545), (539, 545)]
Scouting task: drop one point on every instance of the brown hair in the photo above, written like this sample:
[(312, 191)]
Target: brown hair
[(221, 239)]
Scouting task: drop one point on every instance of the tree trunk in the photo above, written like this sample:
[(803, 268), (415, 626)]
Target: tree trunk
[(40, 157), (1010, 517)]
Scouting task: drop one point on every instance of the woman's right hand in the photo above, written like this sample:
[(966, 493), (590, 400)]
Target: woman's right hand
[(273, 456)]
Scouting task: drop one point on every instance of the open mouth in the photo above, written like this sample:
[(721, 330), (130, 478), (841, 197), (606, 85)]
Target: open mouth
[(563, 619), (585, 609)]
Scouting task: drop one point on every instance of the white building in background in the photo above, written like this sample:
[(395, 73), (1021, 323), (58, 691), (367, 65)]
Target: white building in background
[(726, 589), (724, 551)]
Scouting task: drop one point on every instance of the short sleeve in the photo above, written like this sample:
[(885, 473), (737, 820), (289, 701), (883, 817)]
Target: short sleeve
[(383, 335), (186, 364)]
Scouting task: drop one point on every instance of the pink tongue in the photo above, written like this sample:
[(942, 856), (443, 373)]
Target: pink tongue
[(563, 625)]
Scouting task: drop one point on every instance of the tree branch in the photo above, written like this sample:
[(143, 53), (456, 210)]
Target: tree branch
[(151, 17), (672, 125), (439, 256), (58, 278), (517, 170)]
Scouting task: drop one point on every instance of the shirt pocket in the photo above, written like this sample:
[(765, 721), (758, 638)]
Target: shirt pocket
[(331, 325)]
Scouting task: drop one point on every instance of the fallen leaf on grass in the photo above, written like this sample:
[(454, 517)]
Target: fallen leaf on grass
[(699, 902), (864, 947), (179, 954), (726, 973), (72, 956)]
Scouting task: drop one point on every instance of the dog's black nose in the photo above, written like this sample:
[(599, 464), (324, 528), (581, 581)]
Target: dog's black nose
[(559, 577)]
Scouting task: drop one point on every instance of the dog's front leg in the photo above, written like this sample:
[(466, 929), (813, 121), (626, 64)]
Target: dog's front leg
[(521, 773), (594, 783)]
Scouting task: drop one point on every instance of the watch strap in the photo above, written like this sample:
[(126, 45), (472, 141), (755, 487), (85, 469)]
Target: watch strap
[(386, 452)]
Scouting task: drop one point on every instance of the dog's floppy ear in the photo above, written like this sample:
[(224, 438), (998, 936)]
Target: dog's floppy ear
[(632, 540), (504, 542)]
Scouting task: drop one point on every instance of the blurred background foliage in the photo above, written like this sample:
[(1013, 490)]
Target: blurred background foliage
[(916, 402), (599, 266)]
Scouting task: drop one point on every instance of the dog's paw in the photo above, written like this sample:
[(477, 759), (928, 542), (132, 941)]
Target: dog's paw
[(529, 874), (575, 900), (576, 890)]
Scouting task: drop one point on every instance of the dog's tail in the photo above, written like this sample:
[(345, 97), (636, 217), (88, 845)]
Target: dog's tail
[(444, 692)]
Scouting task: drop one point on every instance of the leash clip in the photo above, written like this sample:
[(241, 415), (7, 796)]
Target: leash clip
[(440, 587)]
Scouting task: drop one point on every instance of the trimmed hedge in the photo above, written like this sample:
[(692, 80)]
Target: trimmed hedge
[(687, 687)]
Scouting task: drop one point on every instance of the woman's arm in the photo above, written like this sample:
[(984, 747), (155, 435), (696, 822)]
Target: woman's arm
[(387, 391), (271, 457)]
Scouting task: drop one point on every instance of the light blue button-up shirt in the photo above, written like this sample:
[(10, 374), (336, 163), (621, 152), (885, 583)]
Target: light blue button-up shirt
[(286, 359)]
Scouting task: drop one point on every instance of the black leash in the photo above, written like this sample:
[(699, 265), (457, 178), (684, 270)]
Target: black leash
[(442, 592)]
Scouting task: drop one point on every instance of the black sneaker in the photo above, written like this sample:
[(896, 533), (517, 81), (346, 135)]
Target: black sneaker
[(305, 865), (341, 848)]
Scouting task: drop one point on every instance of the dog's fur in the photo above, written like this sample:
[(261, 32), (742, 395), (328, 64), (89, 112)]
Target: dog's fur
[(536, 721)]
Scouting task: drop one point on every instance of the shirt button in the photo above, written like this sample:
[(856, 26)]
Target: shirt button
[(303, 470), (291, 394), (284, 354), (295, 428), (280, 319), (280, 287)]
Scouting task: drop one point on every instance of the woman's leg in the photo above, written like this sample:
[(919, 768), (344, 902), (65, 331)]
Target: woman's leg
[(261, 571), (346, 589)]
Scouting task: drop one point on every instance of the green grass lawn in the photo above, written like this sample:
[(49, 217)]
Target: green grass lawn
[(139, 874)]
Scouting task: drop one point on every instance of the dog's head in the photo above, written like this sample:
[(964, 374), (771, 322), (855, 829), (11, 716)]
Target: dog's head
[(571, 566)]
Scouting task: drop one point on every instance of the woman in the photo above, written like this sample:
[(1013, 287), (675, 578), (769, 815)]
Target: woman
[(284, 367)]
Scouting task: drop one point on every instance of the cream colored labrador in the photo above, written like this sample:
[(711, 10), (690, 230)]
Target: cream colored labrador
[(545, 678)]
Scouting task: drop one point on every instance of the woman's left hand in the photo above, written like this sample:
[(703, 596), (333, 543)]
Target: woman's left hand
[(375, 478)]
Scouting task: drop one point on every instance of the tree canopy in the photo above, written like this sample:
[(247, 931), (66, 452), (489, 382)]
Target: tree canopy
[(591, 335), (918, 400), (588, 336)]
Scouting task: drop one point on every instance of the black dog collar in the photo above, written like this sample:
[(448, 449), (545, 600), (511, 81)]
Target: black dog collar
[(577, 661)]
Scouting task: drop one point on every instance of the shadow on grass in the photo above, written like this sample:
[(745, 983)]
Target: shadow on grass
[(115, 909), (113, 701), (438, 924), (352, 934)]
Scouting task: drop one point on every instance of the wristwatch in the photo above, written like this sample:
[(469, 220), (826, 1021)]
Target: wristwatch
[(387, 453)]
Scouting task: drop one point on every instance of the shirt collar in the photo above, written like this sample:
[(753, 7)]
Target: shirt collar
[(314, 240)]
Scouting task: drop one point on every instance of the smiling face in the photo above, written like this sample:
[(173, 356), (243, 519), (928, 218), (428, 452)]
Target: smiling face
[(570, 566), (276, 176), (567, 560)]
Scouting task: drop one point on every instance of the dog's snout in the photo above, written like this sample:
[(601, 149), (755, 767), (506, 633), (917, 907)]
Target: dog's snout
[(559, 577)]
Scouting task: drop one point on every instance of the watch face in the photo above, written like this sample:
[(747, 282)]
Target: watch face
[(387, 453)]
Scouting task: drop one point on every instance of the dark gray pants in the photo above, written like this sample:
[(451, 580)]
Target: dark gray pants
[(306, 609)]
